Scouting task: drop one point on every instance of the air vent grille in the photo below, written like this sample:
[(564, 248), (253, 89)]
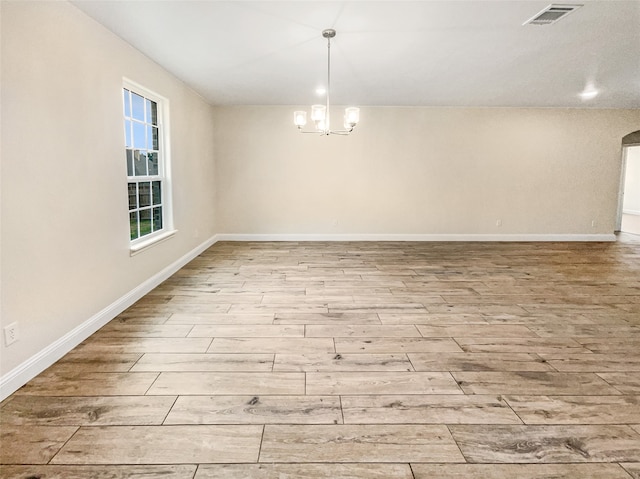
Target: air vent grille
[(551, 14)]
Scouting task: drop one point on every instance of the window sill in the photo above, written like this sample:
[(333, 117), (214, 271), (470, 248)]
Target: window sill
[(144, 245)]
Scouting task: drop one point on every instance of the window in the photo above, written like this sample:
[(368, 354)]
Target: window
[(147, 166)]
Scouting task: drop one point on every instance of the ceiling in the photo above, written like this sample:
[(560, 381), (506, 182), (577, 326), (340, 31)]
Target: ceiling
[(395, 53)]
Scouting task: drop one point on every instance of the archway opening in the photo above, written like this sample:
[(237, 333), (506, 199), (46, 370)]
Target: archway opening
[(629, 200)]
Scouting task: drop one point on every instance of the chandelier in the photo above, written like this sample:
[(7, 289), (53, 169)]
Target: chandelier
[(320, 113)]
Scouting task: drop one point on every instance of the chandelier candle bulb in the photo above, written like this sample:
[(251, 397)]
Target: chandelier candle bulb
[(322, 125), (300, 118), (352, 115), (318, 112)]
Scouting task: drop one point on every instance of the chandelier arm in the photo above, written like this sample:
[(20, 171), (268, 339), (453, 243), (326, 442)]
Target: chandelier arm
[(316, 132), (326, 132)]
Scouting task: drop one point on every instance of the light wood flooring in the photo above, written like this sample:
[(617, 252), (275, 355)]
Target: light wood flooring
[(353, 361)]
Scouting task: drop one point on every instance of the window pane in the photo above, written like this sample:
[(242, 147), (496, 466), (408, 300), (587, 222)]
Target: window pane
[(145, 222), (157, 218), (139, 140), (152, 138), (153, 163), (140, 163), (137, 103), (144, 194), (127, 103), (142, 152), (129, 163), (132, 196), (157, 193), (127, 133), (152, 112), (133, 224)]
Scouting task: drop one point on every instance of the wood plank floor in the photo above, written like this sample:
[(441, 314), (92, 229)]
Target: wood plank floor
[(352, 361)]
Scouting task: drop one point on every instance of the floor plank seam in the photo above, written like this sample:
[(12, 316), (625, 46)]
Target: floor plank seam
[(63, 445), (164, 420), (264, 426)]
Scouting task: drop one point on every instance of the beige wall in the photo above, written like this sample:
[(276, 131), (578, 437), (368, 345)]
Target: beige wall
[(422, 171), (65, 245)]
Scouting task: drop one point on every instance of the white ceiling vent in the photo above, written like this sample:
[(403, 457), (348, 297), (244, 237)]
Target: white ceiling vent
[(551, 14)]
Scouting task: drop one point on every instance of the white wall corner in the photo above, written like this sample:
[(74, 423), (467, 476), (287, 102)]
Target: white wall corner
[(20, 375)]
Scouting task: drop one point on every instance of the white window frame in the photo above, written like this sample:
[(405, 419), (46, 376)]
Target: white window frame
[(164, 168)]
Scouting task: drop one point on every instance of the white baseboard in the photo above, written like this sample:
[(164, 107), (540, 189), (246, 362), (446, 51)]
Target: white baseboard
[(631, 212), (20, 375), (415, 237)]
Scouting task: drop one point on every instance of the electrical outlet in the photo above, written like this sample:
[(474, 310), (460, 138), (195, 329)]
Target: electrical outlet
[(10, 334), (593, 223), (498, 222)]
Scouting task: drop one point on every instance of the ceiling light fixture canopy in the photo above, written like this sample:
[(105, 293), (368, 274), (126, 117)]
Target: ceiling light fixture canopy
[(589, 92), (320, 113)]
